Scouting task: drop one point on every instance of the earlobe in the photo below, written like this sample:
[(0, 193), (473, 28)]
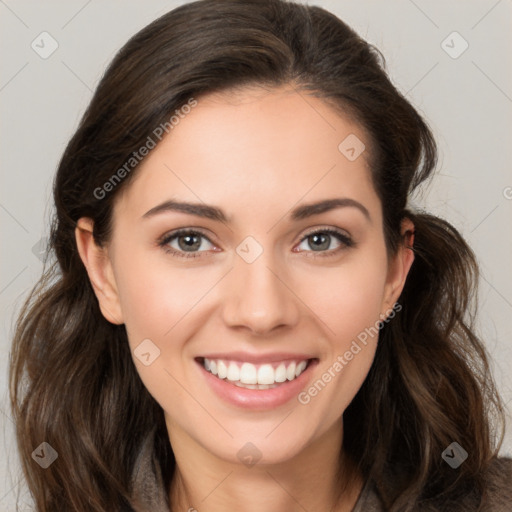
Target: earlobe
[(400, 266), (99, 269)]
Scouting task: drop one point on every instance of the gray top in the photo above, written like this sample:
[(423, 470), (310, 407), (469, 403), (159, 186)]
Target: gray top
[(499, 498), (149, 489), (368, 500)]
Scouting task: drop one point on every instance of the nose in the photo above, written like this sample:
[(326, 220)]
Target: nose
[(258, 297)]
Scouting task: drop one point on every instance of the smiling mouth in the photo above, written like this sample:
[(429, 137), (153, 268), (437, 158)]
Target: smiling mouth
[(255, 376)]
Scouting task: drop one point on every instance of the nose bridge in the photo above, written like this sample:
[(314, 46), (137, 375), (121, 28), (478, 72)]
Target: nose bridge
[(258, 298)]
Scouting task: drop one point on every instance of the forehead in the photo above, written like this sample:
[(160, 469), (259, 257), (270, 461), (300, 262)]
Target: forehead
[(252, 146)]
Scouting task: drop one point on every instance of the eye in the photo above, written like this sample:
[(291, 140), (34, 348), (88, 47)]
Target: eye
[(184, 243), (187, 243), (321, 239)]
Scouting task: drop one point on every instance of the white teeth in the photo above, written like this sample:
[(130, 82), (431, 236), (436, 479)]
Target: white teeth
[(266, 374), (248, 374), (290, 372), (255, 386), (222, 370), (233, 372), (280, 373), (248, 386), (251, 376), (300, 368)]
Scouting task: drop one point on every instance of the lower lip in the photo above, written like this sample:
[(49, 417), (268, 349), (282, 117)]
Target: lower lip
[(258, 398)]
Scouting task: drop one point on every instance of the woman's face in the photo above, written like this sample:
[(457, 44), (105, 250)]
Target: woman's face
[(266, 283)]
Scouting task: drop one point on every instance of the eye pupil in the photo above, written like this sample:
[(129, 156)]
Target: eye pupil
[(318, 238), (191, 242)]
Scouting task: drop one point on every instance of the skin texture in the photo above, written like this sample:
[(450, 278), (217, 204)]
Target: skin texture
[(255, 154)]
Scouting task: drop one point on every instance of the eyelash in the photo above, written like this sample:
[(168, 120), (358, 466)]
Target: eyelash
[(346, 241)]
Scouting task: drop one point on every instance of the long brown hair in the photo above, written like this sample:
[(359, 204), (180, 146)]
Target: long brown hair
[(72, 377)]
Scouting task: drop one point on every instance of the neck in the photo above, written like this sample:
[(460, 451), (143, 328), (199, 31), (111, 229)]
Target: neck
[(318, 478)]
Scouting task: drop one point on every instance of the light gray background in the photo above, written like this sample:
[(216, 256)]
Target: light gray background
[(467, 101)]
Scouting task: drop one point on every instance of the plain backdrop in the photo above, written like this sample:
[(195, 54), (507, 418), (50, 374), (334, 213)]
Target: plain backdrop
[(461, 82)]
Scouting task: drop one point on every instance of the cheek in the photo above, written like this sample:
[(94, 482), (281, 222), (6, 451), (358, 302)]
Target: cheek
[(160, 303), (155, 304), (155, 297), (352, 297), (350, 305)]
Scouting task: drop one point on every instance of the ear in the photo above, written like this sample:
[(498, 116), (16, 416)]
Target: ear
[(399, 267), (99, 269)]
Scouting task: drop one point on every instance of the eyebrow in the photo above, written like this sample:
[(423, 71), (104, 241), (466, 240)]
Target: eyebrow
[(215, 213)]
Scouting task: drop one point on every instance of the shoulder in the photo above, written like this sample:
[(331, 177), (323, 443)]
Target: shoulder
[(497, 497), (147, 486)]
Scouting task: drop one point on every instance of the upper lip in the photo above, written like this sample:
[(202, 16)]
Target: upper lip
[(258, 358)]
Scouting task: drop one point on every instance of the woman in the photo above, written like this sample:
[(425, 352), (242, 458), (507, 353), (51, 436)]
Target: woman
[(246, 314)]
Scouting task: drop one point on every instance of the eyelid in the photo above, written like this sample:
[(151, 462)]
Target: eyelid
[(324, 229), (183, 231)]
